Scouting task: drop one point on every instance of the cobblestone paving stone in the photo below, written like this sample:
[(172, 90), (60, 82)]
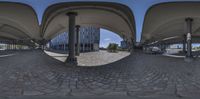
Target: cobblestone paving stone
[(89, 58), (138, 75)]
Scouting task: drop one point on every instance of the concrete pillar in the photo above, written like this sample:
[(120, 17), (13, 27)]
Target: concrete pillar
[(12, 45), (90, 44), (42, 44), (71, 59), (7, 46), (184, 43), (15, 45), (83, 41), (77, 40), (189, 38), (164, 47)]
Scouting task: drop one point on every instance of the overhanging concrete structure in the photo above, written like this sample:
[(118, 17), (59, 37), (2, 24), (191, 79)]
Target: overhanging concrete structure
[(168, 20), (18, 21), (112, 16)]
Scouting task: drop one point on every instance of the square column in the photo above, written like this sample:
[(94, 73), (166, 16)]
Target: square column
[(71, 59)]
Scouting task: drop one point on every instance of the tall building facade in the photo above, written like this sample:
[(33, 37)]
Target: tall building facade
[(124, 44), (89, 40)]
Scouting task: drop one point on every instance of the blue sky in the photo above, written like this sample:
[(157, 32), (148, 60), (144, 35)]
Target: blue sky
[(107, 37)]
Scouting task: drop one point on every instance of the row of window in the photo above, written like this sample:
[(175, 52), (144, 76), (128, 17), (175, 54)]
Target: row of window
[(87, 35)]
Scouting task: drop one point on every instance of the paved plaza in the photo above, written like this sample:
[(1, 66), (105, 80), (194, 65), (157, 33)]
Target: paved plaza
[(138, 76), (98, 58)]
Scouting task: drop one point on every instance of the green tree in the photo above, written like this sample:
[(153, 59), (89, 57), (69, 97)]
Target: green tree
[(112, 47)]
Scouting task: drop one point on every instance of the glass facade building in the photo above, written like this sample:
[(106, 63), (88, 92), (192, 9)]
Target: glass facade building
[(89, 40)]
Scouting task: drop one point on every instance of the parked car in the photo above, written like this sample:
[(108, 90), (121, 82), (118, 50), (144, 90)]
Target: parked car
[(156, 50)]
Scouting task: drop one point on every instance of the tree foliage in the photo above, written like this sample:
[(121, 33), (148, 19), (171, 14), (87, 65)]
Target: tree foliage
[(112, 47)]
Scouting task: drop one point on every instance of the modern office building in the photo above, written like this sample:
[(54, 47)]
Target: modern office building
[(89, 40), (124, 44)]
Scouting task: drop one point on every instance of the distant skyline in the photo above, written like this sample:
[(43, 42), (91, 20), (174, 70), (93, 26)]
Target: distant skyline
[(107, 37)]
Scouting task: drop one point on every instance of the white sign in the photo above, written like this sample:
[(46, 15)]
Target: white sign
[(188, 36)]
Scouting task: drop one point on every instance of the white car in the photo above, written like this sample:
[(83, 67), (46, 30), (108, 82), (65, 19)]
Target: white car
[(156, 50)]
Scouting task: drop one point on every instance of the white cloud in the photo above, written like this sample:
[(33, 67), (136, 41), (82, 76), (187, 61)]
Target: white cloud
[(107, 39)]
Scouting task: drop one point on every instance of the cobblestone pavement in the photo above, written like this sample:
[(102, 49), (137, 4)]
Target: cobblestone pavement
[(92, 58), (138, 75), (4, 52)]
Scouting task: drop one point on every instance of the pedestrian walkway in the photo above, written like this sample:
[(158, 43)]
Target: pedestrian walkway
[(140, 76), (6, 53), (97, 58)]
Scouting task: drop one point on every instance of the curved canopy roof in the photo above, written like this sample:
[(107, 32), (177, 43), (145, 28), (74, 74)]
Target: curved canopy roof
[(18, 21), (168, 20), (112, 16), (162, 20)]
